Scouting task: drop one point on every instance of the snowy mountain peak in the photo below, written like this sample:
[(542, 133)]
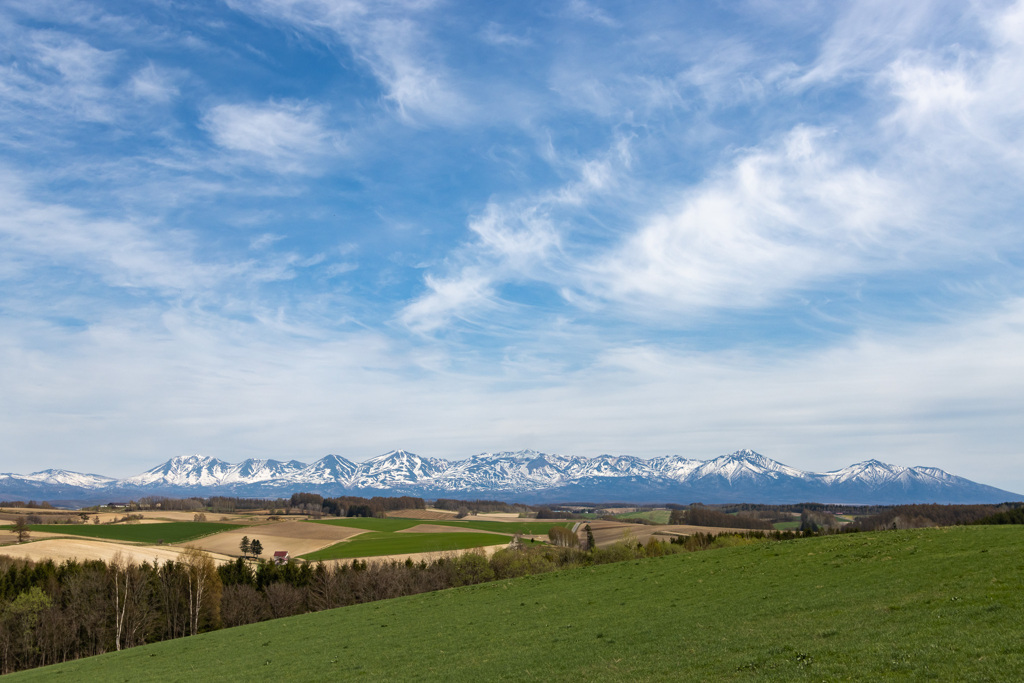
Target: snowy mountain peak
[(183, 470), (68, 478), (869, 472), (742, 476)]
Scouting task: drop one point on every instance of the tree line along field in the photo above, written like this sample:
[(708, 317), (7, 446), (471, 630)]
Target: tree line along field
[(943, 603)]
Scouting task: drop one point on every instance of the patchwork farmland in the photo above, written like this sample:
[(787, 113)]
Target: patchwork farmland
[(163, 535)]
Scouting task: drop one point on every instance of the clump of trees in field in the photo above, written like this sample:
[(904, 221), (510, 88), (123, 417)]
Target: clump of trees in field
[(920, 516), (481, 506), (702, 515), (1011, 516)]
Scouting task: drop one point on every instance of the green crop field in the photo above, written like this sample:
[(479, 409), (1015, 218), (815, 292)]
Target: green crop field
[(656, 516), (168, 532), (383, 543), (398, 524), (946, 604)]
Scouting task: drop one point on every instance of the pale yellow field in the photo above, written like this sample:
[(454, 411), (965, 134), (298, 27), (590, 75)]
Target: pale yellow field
[(183, 516), (502, 517), (7, 536), (298, 538), (81, 549)]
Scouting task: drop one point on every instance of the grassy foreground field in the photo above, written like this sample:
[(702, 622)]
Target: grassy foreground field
[(946, 604)]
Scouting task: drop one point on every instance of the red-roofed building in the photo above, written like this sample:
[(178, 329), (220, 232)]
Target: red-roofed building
[(281, 556)]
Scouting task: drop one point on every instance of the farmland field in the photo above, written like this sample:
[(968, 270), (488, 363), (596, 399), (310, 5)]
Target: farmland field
[(397, 524), (396, 536), (83, 549), (656, 516), (296, 537), (378, 543), (166, 532), (929, 603)]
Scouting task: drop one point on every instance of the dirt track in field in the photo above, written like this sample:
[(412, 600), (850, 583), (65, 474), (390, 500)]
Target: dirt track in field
[(298, 538), (63, 549)]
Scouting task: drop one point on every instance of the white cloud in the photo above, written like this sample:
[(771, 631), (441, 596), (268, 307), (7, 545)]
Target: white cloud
[(457, 297), (783, 217), (154, 84), (965, 103), (868, 35), (522, 237), (59, 73), (514, 241), (283, 136), (582, 9), (386, 37), (493, 34), (119, 252)]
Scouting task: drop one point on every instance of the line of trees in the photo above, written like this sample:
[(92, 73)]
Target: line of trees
[(481, 506), (51, 613), (702, 515), (920, 516)]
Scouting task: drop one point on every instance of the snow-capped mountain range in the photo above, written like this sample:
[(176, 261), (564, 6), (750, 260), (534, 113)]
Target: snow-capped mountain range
[(529, 476)]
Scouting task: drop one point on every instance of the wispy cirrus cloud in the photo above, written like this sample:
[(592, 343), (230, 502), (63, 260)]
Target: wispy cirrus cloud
[(516, 241), (289, 137), (388, 40), (157, 85), (59, 74), (781, 218)]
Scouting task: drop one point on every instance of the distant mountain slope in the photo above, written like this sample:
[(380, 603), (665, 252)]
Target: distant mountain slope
[(743, 476)]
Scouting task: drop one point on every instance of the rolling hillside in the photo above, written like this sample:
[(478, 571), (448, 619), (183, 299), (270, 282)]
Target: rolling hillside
[(933, 603)]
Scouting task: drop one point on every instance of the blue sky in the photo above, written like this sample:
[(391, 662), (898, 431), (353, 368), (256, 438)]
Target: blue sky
[(287, 228)]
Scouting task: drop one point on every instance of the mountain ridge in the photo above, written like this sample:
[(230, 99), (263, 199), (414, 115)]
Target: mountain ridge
[(527, 476)]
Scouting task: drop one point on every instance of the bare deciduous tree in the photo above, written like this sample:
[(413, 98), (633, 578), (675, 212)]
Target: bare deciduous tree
[(204, 587)]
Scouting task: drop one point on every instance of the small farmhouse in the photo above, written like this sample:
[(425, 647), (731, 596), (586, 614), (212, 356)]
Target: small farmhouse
[(281, 557)]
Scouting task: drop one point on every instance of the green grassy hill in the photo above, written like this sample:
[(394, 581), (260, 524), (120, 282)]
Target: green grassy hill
[(946, 604)]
